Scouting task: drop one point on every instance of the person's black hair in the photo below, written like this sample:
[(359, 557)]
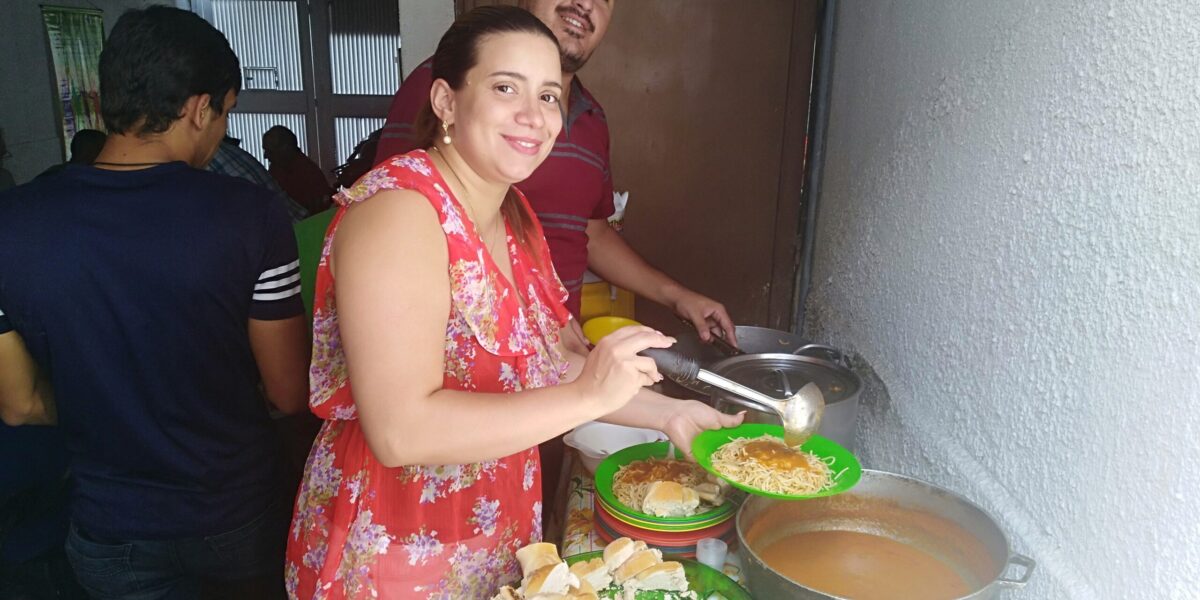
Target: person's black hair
[(457, 53), (86, 145), (283, 135), (154, 60)]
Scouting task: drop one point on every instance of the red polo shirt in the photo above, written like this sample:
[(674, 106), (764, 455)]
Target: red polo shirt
[(572, 186)]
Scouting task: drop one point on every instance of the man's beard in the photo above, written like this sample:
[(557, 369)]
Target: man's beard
[(571, 63)]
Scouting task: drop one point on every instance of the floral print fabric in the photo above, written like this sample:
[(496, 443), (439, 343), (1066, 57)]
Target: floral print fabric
[(362, 530)]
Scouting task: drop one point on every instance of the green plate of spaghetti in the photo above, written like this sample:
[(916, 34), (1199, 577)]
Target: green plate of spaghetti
[(621, 480), (753, 458)]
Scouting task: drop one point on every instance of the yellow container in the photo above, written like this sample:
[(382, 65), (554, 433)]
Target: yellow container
[(601, 299), (596, 328)]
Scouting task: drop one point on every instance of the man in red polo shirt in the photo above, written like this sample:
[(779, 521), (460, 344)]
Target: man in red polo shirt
[(572, 191)]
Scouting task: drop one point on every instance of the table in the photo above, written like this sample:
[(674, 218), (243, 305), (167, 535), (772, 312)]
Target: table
[(576, 503)]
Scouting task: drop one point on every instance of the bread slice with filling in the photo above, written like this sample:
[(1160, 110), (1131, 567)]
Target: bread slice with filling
[(667, 576), (640, 561), (550, 579), (536, 556), (592, 572), (670, 499), (617, 552)]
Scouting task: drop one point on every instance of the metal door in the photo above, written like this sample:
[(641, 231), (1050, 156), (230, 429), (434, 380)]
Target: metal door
[(326, 69)]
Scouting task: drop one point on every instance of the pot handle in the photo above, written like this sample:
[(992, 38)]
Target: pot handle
[(823, 352), (1021, 560)]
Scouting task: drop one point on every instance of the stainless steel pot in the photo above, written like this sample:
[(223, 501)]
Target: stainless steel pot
[(780, 375), (928, 518), (751, 340)]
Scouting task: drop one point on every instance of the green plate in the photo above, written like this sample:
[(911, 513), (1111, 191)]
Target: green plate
[(662, 527), (608, 467), (702, 579), (846, 470)]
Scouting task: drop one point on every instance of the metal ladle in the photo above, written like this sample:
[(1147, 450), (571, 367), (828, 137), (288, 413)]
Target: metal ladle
[(800, 413)]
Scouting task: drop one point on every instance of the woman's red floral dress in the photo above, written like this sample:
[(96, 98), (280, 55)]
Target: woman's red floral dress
[(361, 530)]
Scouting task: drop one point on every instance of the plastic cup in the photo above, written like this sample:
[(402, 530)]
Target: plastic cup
[(711, 552)]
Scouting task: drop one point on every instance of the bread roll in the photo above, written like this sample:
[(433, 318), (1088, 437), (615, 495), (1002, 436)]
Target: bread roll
[(593, 573), (583, 592), (670, 499), (506, 593), (668, 576), (640, 561), (536, 556), (710, 493), (550, 579), (617, 552)]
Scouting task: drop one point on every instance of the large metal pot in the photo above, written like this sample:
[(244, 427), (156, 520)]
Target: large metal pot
[(751, 340), (780, 375), (937, 522)]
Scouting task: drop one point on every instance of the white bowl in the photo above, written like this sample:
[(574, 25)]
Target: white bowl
[(596, 440)]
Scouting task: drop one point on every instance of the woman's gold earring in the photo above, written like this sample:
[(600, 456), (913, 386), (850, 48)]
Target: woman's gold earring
[(445, 132)]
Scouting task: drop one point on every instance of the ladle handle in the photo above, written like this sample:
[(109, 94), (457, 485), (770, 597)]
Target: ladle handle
[(677, 367)]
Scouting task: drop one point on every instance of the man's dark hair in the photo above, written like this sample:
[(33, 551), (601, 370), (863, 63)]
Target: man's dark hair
[(283, 135), (155, 59), (86, 146)]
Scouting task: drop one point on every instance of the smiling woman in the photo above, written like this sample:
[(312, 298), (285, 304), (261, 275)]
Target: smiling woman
[(445, 319)]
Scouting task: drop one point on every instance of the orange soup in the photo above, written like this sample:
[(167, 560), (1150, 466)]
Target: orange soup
[(862, 566)]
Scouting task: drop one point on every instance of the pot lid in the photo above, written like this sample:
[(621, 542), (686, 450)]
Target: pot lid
[(780, 375)]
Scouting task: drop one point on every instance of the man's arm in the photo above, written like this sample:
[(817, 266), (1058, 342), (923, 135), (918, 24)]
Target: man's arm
[(281, 349), (26, 397), (611, 258)]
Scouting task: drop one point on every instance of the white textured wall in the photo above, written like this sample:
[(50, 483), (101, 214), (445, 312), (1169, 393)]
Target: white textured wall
[(1010, 234)]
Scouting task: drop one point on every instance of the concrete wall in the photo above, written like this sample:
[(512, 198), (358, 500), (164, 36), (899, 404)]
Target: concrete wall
[(1010, 235), (26, 88)]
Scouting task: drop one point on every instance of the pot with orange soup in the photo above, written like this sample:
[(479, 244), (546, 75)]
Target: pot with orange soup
[(889, 537)]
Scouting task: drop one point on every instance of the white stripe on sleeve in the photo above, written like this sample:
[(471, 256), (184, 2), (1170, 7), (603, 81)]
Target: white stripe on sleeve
[(277, 270), (278, 283), (277, 295)]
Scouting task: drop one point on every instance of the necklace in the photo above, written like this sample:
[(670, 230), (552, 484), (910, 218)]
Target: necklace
[(117, 164), (497, 229)]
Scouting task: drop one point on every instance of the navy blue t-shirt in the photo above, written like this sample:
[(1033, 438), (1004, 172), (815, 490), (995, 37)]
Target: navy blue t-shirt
[(134, 290)]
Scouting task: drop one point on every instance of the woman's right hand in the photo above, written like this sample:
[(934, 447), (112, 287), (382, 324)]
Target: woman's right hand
[(614, 372)]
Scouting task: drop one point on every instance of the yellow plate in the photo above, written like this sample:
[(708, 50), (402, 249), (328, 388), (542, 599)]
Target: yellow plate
[(597, 327)]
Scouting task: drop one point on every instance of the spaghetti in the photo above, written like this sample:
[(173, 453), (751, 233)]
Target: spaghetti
[(631, 482), (766, 463)]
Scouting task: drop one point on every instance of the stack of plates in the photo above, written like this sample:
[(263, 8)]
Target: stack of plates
[(676, 536)]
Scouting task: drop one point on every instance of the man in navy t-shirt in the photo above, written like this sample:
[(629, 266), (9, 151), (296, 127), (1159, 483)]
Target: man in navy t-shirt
[(155, 297)]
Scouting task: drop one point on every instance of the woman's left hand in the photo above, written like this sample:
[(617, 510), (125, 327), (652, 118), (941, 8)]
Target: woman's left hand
[(690, 417)]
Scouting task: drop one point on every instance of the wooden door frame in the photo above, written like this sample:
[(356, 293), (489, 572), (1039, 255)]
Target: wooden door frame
[(785, 268)]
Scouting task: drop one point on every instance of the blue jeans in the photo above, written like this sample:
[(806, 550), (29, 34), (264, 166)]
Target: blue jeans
[(244, 563)]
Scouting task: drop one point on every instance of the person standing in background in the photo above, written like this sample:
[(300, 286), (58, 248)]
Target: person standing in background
[(233, 161), (296, 173), (85, 147), (156, 297)]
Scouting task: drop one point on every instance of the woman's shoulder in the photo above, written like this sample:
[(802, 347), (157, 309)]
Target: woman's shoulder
[(410, 171)]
